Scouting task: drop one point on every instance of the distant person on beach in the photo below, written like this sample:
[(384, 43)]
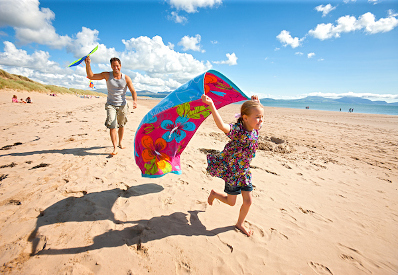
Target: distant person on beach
[(28, 100), (22, 101), (233, 163), (116, 105), (14, 99)]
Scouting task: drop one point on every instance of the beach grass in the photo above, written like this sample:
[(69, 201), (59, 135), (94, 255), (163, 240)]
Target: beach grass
[(22, 83)]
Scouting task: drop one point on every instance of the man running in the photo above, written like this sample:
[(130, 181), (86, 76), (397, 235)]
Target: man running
[(116, 105)]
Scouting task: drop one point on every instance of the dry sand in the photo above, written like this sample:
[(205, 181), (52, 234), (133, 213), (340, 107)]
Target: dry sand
[(325, 198)]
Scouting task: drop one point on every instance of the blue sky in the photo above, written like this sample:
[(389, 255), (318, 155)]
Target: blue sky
[(279, 49)]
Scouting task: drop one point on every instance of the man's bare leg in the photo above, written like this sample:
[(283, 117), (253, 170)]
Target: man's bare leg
[(247, 201), (121, 133), (113, 134)]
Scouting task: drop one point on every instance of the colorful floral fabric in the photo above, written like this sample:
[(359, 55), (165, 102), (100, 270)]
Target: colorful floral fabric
[(233, 163), (166, 130)]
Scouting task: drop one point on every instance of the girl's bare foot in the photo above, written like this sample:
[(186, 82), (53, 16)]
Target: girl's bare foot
[(211, 197), (242, 229), (121, 146)]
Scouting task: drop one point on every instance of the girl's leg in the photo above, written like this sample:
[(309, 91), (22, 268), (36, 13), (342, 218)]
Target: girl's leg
[(228, 199), (247, 201)]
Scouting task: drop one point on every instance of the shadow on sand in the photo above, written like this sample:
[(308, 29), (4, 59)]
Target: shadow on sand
[(90, 207), (145, 231), (98, 206), (72, 151)]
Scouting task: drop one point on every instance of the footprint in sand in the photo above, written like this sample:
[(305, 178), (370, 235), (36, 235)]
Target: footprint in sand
[(183, 267), (315, 215), (355, 258), (257, 230), (320, 269), (12, 164), (224, 247), (8, 147), (40, 166), (3, 176), (202, 204), (279, 234)]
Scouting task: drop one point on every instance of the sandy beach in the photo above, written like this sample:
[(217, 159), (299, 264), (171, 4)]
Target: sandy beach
[(325, 198)]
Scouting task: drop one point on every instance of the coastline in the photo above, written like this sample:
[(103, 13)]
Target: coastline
[(325, 199)]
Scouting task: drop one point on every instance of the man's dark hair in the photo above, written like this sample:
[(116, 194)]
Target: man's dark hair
[(115, 59)]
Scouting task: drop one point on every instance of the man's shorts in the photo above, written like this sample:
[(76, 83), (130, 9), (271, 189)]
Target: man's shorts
[(116, 116)]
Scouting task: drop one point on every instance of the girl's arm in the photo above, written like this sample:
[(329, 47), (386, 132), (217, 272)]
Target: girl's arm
[(226, 128)]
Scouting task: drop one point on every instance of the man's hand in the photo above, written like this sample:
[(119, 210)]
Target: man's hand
[(87, 60)]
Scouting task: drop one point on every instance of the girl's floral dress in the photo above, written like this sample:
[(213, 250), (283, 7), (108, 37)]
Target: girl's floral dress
[(233, 163)]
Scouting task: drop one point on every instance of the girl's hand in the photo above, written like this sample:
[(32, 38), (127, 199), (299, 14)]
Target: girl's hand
[(255, 98), (87, 60), (207, 100)]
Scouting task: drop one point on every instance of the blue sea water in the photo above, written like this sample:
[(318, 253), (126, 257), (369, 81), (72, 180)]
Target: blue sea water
[(358, 108), (382, 109)]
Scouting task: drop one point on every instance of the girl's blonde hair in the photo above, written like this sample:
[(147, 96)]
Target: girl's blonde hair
[(247, 108)]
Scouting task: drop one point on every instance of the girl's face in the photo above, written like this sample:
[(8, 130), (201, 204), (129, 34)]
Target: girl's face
[(254, 120)]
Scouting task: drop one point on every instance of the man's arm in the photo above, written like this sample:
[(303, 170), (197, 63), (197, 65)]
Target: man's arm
[(91, 75), (132, 90)]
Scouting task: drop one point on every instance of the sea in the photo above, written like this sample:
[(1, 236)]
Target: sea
[(382, 109)]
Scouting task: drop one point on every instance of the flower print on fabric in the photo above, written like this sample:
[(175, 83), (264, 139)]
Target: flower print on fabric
[(233, 163), (177, 129), (153, 156)]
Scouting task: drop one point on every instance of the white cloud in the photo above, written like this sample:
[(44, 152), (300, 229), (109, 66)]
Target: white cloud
[(298, 53), (192, 6), (158, 60), (392, 13), (31, 23), (39, 60), (161, 68), (214, 42), (232, 60), (310, 55), (85, 41), (325, 9), (374, 2), (321, 59), (191, 43), (348, 1), (348, 23), (178, 18), (286, 39), (24, 14), (382, 25)]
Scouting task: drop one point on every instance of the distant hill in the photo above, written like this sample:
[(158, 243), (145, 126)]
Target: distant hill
[(141, 93), (320, 99)]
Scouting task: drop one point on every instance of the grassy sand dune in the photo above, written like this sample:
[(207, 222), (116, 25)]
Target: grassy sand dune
[(22, 83)]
